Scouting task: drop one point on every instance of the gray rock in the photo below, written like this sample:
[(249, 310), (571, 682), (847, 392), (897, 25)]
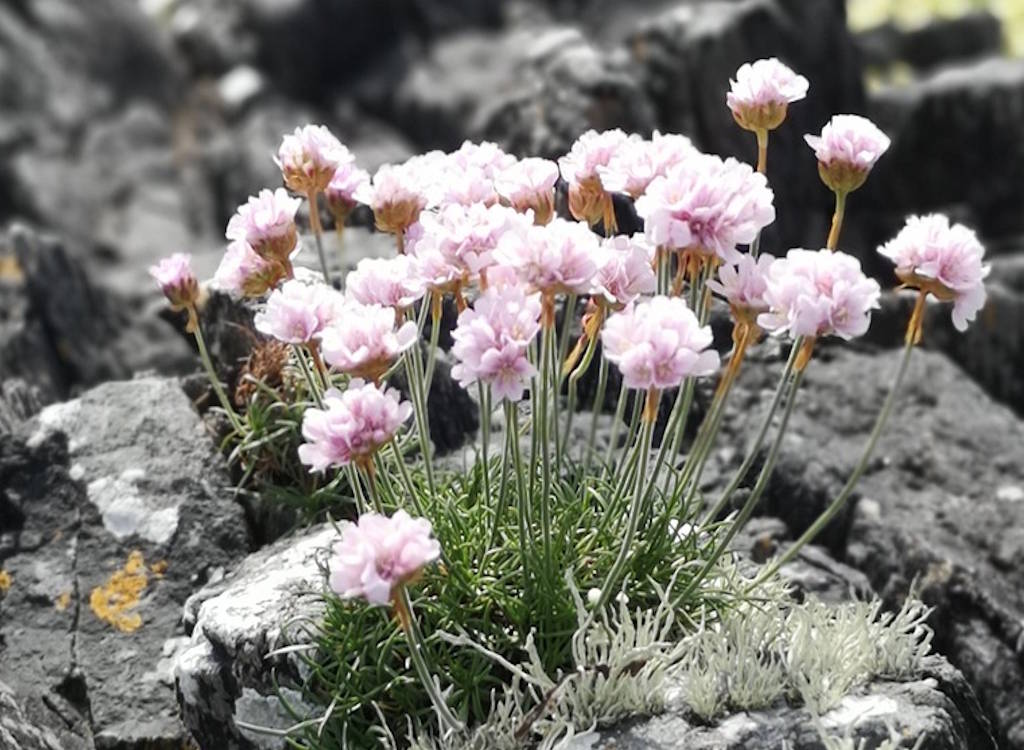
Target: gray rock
[(937, 709), (931, 120), (687, 56), (941, 501), (117, 492), (225, 676), (17, 731), (938, 42)]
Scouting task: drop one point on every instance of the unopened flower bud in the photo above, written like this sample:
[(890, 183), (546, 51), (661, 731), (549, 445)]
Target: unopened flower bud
[(177, 281), (847, 149), (309, 157)]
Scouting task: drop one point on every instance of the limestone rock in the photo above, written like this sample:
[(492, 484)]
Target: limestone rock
[(115, 507)]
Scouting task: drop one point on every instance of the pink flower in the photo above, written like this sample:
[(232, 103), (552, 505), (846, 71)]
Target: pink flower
[(624, 270), (817, 293), (243, 273), (465, 236), (636, 163), (176, 280), (492, 339), (943, 259), (847, 149), (397, 195), (743, 285), (587, 195), (762, 91), (529, 185), (468, 186), (707, 204), (309, 157), (267, 222), (557, 258), (351, 426), (377, 554), (361, 340), (486, 156), (658, 343), (296, 312), (348, 180), (389, 282)]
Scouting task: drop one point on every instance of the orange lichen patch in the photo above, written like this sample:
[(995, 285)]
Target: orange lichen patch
[(158, 568), (115, 601), (5, 581), (10, 269), (63, 601)]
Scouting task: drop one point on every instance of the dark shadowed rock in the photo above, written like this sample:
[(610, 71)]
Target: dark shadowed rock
[(938, 710), (938, 42), (117, 494), (687, 56), (942, 500)]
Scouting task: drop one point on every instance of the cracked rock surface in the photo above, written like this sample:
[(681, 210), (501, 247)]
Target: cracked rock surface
[(114, 508)]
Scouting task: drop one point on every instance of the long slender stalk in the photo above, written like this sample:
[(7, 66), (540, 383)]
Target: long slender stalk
[(512, 424), (762, 151), (318, 230), (415, 380), (211, 373), (407, 620), (837, 221), (435, 336), (485, 437), (503, 483), (620, 410), (307, 373), (602, 386), (403, 473), (858, 471), (547, 345)]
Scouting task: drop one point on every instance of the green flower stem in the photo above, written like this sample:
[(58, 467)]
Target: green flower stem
[(211, 373), (525, 537), (574, 379), (415, 380), (762, 150), (634, 425), (357, 489), (620, 411), (371, 485), (485, 436), (307, 373), (844, 495), (602, 387), (503, 483), (403, 473), (435, 336), (643, 450), (748, 461), (837, 221), (407, 620), (755, 494), (547, 346), (318, 230), (663, 260)]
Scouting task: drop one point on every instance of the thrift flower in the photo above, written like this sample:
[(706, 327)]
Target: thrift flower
[(707, 204), (351, 426), (492, 339), (176, 280), (636, 163), (361, 340), (348, 180), (942, 259), (397, 195), (488, 157), (529, 185), (744, 285), (388, 282), (296, 312), (267, 222), (847, 149), (588, 199), (466, 236), (243, 273), (624, 270), (557, 258), (377, 554), (309, 157), (817, 293), (658, 343), (761, 93)]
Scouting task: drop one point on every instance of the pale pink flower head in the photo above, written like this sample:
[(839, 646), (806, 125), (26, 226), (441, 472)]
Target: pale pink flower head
[(389, 282), (658, 343), (296, 312), (637, 162), (942, 259), (818, 293), (361, 340), (624, 271), (378, 554), (351, 426), (761, 93), (468, 186), (176, 280), (557, 258), (587, 195), (485, 156), (309, 157), (529, 185), (847, 149), (243, 273), (267, 222), (397, 195), (492, 340), (348, 180), (744, 284), (707, 204)]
